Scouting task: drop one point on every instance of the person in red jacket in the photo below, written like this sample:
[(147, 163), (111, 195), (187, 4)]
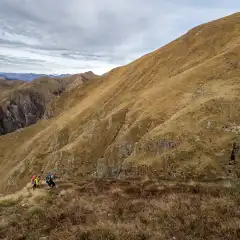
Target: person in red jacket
[(33, 179)]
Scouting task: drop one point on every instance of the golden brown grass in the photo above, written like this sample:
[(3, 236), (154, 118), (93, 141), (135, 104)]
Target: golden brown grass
[(184, 93), (117, 209), (169, 116)]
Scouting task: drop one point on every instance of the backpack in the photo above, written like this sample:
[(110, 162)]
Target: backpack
[(48, 178)]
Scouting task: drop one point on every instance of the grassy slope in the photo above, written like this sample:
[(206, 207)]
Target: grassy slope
[(170, 94), (114, 209), (7, 86)]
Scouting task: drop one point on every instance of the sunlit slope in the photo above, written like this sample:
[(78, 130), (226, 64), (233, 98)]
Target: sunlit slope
[(176, 109)]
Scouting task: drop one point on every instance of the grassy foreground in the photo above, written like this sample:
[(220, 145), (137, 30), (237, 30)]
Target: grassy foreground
[(116, 209)]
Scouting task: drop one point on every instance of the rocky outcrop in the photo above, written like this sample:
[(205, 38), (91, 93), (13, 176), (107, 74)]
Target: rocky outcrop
[(23, 104), (21, 112)]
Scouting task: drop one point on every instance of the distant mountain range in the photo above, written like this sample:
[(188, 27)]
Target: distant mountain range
[(27, 76)]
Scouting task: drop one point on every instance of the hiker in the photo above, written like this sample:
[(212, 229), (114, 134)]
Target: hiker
[(33, 178), (48, 177), (36, 182), (49, 180)]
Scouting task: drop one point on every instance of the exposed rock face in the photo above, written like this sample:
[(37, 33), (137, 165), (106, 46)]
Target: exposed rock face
[(27, 110), (23, 104)]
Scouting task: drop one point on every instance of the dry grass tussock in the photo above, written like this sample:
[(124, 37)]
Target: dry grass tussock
[(114, 209)]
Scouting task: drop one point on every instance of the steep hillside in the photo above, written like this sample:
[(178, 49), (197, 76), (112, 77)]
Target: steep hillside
[(174, 112), (24, 103)]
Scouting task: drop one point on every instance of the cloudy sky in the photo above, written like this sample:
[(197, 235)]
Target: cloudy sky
[(70, 36)]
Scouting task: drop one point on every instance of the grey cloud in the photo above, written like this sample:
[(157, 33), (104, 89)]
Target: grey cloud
[(96, 32), (22, 61)]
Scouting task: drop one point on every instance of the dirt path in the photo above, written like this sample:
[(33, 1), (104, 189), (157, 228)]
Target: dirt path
[(28, 196)]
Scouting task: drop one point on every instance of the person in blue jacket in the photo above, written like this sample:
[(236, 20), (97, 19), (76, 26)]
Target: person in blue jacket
[(49, 180)]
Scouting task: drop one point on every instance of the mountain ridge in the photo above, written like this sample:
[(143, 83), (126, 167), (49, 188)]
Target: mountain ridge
[(28, 76), (174, 111), (23, 103)]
